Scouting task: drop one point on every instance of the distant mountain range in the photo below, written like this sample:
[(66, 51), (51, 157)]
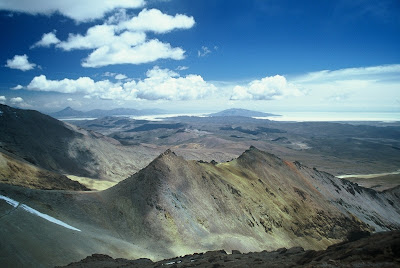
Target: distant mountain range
[(69, 112), (242, 112)]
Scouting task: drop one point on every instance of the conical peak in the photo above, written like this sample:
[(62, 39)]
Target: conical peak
[(168, 155), (252, 150), (253, 154)]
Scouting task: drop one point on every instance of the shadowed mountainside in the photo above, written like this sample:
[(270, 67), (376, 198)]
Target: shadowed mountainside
[(50, 144), (175, 207)]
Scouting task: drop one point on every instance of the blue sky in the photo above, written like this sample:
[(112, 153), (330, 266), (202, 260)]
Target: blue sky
[(203, 55)]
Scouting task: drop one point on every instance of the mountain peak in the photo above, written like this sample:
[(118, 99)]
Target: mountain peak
[(67, 112), (253, 155), (252, 150), (167, 155), (167, 152)]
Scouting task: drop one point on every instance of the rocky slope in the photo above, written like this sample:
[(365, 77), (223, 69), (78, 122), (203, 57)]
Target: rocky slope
[(175, 207), (378, 250), (62, 148)]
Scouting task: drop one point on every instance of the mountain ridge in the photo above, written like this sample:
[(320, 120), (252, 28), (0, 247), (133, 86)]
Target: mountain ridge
[(56, 146), (176, 207)]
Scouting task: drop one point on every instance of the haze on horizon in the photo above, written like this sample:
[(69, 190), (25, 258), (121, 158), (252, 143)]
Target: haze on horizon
[(201, 56)]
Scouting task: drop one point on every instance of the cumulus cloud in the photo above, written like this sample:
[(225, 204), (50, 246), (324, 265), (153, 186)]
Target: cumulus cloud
[(16, 100), (168, 85), (268, 88), (75, 9), (17, 87), (3, 99), (20, 62), (160, 84), (100, 36), (155, 21), (124, 41), (47, 40), (80, 85), (120, 77), (124, 54)]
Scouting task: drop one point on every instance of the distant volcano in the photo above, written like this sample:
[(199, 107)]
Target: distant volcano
[(242, 112)]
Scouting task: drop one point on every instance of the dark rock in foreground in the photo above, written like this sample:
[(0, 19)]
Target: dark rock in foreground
[(377, 250)]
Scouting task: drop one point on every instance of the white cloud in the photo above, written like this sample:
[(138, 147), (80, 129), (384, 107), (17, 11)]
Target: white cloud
[(168, 85), (182, 68), (20, 62), (47, 40), (268, 88), (100, 36), (155, 21), (80, 85), (69, 99), (123, 41), (109, 74), (160, 84), (17, 87), (16, 100), (367, 73), (124, 54), (118, 16), (120, 77), (3, 99), (75, 9), (375, 87), (203, 52)]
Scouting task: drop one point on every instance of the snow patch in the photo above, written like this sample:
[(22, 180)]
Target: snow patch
[(9, 201), (37, 213), (172, 262)]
